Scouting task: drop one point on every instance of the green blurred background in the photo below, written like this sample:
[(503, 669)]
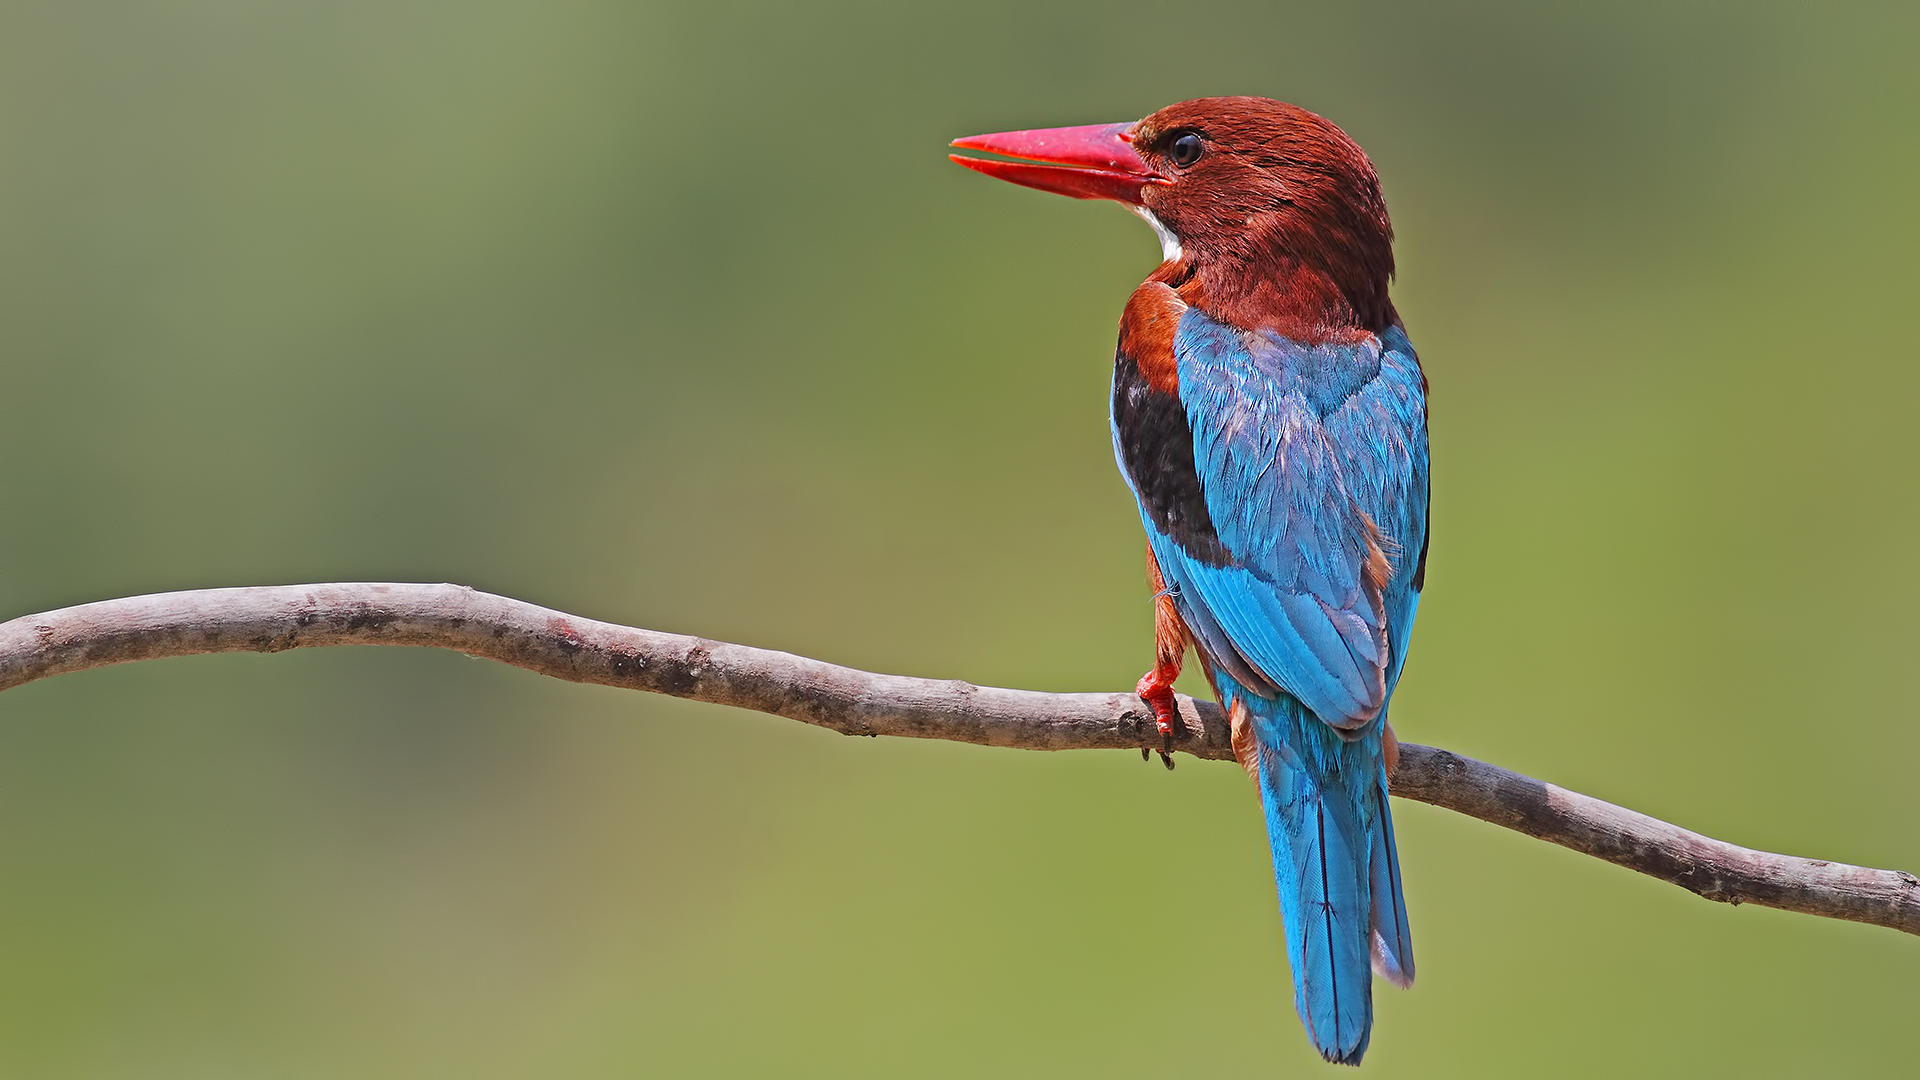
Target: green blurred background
[(674, 314)]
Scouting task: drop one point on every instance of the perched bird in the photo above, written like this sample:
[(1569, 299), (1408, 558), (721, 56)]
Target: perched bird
[(1270, 416)]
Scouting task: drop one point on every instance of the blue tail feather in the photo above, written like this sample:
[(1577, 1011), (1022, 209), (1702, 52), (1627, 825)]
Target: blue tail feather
[(1392, 940), (1336, 870)]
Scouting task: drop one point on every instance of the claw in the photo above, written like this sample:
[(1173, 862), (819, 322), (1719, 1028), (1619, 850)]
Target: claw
[(1158, 694)]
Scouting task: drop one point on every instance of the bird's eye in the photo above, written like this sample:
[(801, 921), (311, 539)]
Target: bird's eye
[(1186, 149)]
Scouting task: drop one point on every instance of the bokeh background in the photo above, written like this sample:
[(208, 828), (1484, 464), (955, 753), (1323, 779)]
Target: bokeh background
[(674, 314)]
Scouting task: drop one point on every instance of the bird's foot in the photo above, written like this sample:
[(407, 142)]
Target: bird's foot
[(1157, 692)]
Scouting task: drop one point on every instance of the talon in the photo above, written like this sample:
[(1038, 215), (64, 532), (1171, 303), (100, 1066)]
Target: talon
[(1158, 694), (1145, 753)]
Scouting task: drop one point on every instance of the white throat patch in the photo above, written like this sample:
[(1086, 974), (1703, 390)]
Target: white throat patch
[(1170, 249)]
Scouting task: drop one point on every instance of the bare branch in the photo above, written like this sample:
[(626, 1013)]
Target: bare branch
[(270, 619)]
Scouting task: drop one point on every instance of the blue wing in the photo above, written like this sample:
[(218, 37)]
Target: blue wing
[(1312, 462)]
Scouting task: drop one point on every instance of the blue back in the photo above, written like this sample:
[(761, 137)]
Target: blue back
[(1298, 448)]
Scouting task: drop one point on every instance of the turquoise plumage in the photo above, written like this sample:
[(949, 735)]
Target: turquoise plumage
[(1307, 457)]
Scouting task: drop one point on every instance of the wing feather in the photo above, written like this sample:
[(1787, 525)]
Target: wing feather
[(1312, 464)]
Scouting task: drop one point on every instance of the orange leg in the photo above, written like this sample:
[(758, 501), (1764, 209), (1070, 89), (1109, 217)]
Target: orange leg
[(1169, 651)]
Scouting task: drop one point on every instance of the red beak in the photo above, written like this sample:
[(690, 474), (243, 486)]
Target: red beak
[(1093, 162)]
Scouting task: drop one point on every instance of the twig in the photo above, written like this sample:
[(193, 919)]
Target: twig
[(270, 619)]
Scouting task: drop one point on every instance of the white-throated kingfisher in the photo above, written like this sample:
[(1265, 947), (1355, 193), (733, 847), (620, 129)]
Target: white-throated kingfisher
[(1270, 416)]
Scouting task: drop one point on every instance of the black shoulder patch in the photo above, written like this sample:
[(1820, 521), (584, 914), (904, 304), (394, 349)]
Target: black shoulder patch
[(1156, 447)]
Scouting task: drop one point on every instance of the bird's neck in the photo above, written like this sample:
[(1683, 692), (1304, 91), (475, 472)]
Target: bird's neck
[(1282, 294)]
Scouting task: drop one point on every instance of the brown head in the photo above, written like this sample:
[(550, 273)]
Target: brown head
[(1269, 216)]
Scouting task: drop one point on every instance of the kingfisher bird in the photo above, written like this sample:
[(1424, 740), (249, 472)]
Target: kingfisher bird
[(1269, 415)]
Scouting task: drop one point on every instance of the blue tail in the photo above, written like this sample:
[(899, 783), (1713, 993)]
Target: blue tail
[(1336, 868)]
